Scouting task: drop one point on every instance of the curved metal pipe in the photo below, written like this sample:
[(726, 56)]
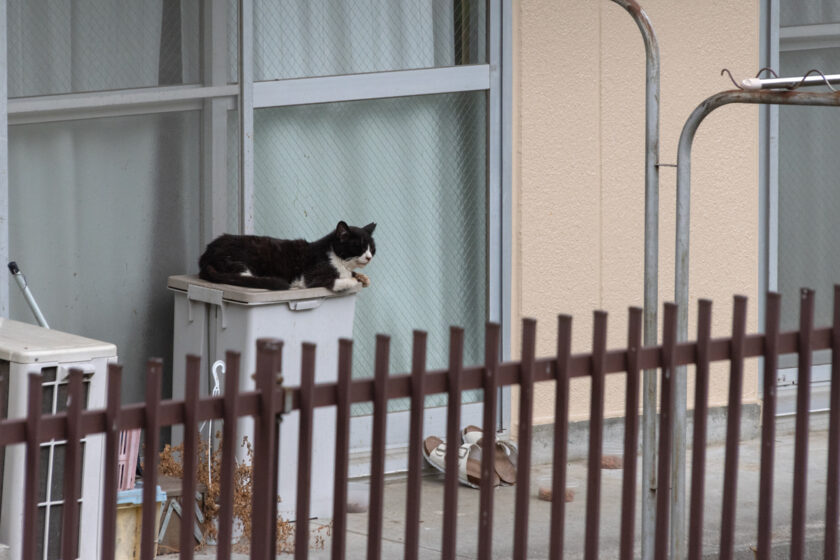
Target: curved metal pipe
[(762, 97), (651, 264)]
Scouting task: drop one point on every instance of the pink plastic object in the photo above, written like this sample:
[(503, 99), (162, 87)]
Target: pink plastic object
[(127, 462)]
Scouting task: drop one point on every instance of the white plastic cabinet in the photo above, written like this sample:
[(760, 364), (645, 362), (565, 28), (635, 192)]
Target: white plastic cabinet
[(25, 349), (211, 319)]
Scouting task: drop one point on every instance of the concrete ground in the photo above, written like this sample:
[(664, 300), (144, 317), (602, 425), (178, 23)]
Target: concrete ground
[(468, 501)]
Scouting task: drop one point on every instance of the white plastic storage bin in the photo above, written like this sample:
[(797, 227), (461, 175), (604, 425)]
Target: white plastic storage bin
[(211, 319), (25, 349)]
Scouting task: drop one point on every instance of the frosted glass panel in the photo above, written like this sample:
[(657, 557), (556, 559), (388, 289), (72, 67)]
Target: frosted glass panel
[(233, 41), (89, 45), (809, 200), (806, 12), (101, 212), (416, 167), (301, 38)]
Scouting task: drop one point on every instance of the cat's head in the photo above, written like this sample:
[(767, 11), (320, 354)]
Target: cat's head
[(354, 245)]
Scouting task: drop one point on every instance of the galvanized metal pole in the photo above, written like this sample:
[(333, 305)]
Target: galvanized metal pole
[(651, 274), (762, 97), (246, 116)]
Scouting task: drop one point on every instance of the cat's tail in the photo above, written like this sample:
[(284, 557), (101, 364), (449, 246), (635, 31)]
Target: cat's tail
[(265, 282)]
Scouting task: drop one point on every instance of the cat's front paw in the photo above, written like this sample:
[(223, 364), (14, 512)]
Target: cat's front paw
[(362, 278), (344, 284)]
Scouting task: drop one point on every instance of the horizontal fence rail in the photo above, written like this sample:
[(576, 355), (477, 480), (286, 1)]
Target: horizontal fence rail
[(272, 400), (361, 390)]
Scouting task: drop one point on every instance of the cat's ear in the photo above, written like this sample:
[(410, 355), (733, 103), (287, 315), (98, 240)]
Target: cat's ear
[(370, 227), (342, 230)]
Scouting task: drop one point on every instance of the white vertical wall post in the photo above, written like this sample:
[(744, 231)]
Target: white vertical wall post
[(498, 177)]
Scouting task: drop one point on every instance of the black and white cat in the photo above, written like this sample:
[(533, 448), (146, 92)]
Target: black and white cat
[(280, 264)]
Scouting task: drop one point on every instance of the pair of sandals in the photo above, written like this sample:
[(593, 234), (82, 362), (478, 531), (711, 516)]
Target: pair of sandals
[(469, 458)]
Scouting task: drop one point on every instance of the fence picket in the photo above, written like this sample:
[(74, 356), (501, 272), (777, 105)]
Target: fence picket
[(188, 481), (229, 445), (377, 458), (561, 432), (631, 434), (415, 441), (73, 467), (698, 446), (148, 530), (453, 426), (33, 461), (112, 440), (803, 407), (832, 507), (768, 426), (526, 418), (342, 448), (488, 441), (265, 437), (733, 429), (304, 477), (596, 437), (666, 412)]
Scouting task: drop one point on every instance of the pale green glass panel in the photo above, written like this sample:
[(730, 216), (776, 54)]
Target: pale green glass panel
[(809, 200), (416, 167), (302, 38), (91, 45)]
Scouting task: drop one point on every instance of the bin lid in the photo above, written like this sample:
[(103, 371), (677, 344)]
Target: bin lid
[(24, 343), (253, 296)]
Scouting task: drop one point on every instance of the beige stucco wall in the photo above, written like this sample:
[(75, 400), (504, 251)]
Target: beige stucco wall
[(578, 185)]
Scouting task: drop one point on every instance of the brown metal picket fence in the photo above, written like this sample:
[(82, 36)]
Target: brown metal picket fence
[(270, 400)]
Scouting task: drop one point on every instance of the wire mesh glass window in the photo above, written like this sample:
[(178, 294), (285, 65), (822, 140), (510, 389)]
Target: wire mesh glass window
[(416, 167), (300, 38)]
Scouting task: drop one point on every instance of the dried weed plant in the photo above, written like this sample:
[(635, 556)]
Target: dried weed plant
[(208, 474)]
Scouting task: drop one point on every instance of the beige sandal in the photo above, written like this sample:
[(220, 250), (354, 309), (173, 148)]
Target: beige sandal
[(506, 454), (469, 466), (469, 461)]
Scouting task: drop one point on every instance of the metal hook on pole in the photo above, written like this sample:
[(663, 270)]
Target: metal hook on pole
[(741, 85), (792, 83)]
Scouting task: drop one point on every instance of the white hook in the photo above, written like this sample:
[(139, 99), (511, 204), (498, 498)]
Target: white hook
[(217, 367)]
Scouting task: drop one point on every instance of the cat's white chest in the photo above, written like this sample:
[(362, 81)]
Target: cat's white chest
[(341, 267)]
